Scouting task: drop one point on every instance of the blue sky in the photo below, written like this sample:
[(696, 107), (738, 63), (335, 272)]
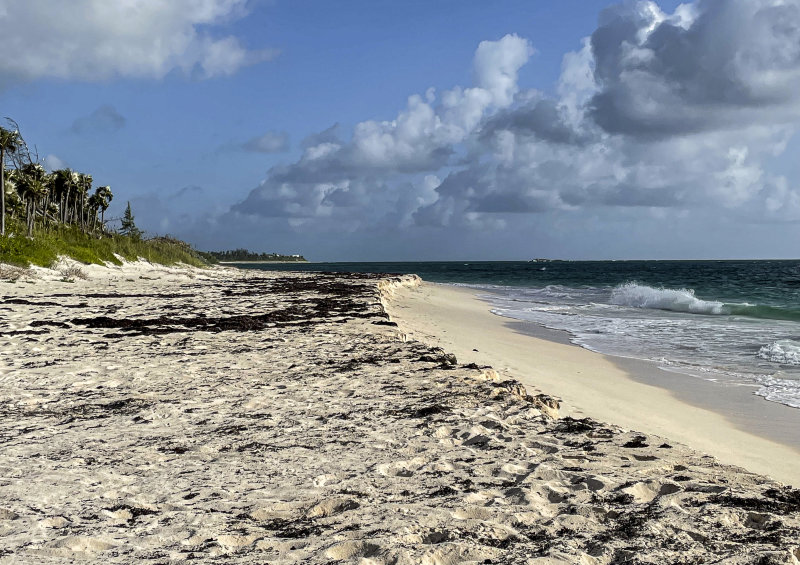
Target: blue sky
[(569, 128)]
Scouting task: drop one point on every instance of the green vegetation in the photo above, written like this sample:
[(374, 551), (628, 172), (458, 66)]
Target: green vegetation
[(45, 200), (128, 226), (239, 255), (44, 215), (46, 245)]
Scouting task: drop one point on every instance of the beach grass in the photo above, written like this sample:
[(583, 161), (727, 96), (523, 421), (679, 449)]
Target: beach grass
[(48, 244)]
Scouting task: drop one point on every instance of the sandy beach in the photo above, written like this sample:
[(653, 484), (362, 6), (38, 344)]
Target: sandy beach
[(598, 386), (165, 415)]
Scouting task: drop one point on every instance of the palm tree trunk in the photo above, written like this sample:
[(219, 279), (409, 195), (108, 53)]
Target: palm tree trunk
[(65, 208), (31, 212), (46, 206), (2, 191)]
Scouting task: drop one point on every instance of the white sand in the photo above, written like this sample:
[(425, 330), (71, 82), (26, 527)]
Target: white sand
[(155, 415), (589, 384)]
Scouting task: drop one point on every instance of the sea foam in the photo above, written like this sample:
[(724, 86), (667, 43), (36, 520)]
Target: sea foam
[(712, 340), (636, 295), (784, 352)]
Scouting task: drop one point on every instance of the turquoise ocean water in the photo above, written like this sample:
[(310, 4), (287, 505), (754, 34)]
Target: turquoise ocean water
[(733, 322)]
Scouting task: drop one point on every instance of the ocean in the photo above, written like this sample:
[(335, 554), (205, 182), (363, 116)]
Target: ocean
[(736, 323)]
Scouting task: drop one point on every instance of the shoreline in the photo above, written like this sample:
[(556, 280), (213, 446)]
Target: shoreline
[(264, 262), (588, 383), (743, 408)]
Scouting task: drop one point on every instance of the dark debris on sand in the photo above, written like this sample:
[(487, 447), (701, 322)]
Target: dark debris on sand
[(582, 491), (318, 297)]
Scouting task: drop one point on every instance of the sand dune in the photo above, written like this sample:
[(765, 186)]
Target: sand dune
[(154, 415)]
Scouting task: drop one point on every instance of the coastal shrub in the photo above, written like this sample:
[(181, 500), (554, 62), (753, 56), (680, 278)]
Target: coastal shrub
[(12, 273), (73, 272), (16, 249), (46, 245)]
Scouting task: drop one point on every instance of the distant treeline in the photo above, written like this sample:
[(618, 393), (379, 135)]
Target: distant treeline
[(245, 255)]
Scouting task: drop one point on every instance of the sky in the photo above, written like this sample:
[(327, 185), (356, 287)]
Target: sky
[(368, 130)]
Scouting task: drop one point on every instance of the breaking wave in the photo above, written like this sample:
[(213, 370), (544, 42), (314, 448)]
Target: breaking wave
[(635, 295)]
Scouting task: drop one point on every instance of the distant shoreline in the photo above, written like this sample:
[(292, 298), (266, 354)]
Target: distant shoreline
[(263, 262)]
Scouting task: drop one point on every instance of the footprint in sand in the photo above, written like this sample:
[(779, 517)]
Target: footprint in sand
[(516, 472), (426, 537), (324, 480), (756, 520), (8, 514), (82, 544), (330, 507), (279, 510), (55, 522), (593, 483), (473, 513), (452, 554), (444, 432), (237, 542), (401, 468), (350, 550), (645, 492)]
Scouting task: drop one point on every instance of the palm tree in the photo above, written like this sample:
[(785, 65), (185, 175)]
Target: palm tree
[(94, 208), (67, 182), (48, 207), (13, 203), (84, 186), (104, 198), (31, 187), (9, 142), (61, 197), (62, 182), (72, 186)]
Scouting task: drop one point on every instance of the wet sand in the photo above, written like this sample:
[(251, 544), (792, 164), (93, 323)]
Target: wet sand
[(624, 392), (738, 404)]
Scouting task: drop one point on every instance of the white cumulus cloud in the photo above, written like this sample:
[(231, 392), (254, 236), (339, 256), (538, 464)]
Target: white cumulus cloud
[(100, 39), (658, 118), (336, 178)]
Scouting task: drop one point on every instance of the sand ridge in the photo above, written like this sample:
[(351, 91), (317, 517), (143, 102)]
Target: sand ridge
[(162, 415)]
